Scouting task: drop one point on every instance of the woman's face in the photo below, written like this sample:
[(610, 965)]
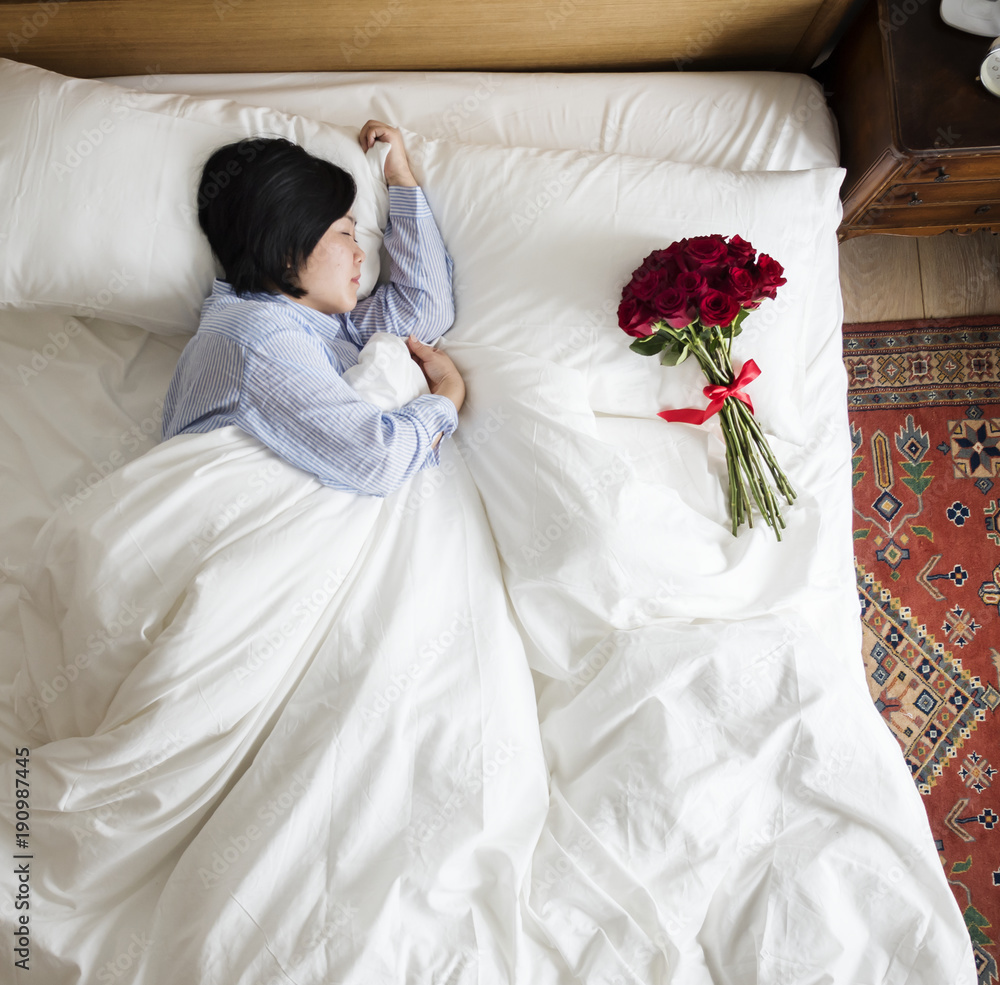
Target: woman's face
[(332, 273)]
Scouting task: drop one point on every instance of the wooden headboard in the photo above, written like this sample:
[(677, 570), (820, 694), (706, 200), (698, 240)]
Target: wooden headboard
[(87, 38)]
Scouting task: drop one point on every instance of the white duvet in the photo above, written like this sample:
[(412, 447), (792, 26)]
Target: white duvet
[(315, 754)]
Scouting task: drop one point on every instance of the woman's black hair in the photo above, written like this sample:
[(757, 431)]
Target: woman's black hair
[(264, 203)]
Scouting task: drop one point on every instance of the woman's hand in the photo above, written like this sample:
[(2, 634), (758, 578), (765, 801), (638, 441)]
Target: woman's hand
[(397, 166), (441, 373)]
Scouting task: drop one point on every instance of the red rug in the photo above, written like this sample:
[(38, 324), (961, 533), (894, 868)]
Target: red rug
[(925, 422)]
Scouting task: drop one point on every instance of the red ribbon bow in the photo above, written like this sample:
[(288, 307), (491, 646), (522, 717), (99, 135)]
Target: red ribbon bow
[(717, 395)]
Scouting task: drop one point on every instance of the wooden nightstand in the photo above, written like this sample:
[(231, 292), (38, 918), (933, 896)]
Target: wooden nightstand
[(920, 136)]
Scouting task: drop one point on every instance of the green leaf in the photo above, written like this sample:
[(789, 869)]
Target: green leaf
[(738, 322), (962, 866), (649, 346), (674, 357), (923, 532), (862, 533)]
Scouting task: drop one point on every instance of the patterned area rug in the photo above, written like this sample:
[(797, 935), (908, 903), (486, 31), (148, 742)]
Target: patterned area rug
[(925, 422)]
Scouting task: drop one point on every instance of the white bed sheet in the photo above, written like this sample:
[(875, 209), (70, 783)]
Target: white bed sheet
[(632, 869)]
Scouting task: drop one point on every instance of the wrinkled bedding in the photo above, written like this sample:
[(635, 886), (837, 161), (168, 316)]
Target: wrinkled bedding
[(537, 717), (435, 747)]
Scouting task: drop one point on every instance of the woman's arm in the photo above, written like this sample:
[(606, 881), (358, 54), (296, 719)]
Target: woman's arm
[(418, 299), (294, 401)]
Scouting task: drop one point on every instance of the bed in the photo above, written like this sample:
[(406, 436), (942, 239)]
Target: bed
[(536, 717)]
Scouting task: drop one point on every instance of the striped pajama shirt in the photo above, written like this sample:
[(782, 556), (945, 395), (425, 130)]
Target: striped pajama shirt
[(272, 366)]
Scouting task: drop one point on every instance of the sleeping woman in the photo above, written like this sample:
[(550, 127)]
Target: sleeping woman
[(277, 333)]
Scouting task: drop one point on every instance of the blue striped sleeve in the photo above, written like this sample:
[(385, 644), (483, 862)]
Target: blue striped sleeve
[(418, 299), (204, 393), (294, 401)]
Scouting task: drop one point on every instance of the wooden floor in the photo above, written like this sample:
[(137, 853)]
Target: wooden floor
[(889, 278)]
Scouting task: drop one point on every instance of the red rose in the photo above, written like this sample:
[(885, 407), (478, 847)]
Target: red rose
[(704, 277), (634, 318), (768, 277), (675, 307), (717, 308), (672, 252), (740, 250), (738, 284), (715, 277), (644, 285), (690, 283), (703, 251), (660, 260), (671, 266)]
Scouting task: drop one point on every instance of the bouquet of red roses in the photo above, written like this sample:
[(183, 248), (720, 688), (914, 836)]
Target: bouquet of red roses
[(690, 300)]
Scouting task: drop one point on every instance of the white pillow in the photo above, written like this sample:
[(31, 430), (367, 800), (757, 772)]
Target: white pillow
[(543, 242), (99, 214)]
